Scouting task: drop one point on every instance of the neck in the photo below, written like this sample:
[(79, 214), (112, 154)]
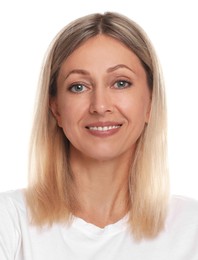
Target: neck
[(102, 188)]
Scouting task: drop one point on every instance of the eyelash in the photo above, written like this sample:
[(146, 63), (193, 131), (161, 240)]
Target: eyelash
[(128, 83), (75, 85)]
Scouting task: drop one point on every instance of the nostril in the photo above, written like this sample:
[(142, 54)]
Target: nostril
[(96, 108), (101, 101), (100, 110)]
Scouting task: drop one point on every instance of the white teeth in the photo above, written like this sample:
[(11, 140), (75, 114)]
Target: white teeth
[(103, 128)]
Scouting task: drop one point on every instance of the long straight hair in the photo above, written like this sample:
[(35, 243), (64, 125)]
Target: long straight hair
[(50, 196)]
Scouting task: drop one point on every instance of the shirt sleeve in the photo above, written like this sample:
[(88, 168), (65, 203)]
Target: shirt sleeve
[(9, 229)]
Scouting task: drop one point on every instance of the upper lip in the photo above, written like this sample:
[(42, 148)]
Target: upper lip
[(103, 124)]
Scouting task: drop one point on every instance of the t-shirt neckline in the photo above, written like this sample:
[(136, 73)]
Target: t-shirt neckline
[(111, 229)]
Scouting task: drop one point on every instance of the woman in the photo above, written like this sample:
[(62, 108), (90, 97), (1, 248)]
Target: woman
[(98, 186)]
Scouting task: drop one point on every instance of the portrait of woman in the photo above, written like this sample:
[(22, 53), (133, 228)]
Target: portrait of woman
[(98, 176)]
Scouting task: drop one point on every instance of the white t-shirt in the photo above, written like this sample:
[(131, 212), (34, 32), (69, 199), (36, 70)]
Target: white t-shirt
[(83, 241)]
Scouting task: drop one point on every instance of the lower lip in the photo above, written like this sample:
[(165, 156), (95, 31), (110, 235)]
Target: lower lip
[(104, 133)]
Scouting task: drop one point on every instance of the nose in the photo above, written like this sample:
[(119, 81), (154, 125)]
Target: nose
[(101, 102)]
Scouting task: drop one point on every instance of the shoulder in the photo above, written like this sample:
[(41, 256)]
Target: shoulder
[(184, 205), (12, 200), (12, 211), (183, 212), (12, 207)]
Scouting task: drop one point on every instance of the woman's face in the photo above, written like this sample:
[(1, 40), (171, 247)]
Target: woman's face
[(103, 99)]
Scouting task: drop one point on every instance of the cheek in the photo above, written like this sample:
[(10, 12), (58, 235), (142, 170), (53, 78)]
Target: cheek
[(64, 113), (71, 112), (136, 109)]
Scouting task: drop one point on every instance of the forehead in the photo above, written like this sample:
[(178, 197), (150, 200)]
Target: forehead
[(101, 52)]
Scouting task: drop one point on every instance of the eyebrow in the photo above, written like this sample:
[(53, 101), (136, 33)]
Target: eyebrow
[(86, 73), (77, 71), (118, 67)]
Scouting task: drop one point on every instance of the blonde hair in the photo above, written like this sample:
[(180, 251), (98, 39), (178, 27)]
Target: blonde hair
[(50, 195)]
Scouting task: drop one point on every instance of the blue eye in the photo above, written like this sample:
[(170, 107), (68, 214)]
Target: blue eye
[(77, 88), (122, 84)]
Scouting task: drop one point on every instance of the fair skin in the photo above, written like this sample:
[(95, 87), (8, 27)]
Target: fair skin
[(102, 105)]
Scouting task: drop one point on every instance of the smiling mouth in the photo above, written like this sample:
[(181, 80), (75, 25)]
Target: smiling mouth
[(103, 128)]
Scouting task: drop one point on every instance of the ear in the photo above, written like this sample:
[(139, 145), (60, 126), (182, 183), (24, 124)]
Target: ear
[(55, 111)]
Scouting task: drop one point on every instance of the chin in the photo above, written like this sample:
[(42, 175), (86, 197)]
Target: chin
[(104, 157)]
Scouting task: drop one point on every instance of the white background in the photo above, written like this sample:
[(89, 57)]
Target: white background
[(26, 29)]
